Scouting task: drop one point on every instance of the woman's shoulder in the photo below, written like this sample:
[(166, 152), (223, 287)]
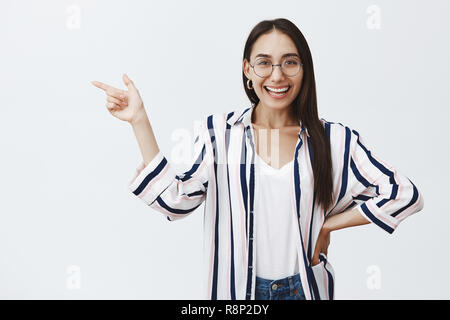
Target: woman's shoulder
[(335, 126), (220, 119), (341, 132)]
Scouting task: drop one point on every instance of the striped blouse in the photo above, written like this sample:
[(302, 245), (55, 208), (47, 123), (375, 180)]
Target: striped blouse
[(223, 176)]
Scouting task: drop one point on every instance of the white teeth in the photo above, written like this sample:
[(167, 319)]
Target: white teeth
[(278, 90)]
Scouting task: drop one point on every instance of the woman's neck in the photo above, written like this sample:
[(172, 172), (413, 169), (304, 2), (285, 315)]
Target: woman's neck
[(271, 118)]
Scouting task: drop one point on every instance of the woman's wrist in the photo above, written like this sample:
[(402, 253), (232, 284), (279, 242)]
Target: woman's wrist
[(141, 117)]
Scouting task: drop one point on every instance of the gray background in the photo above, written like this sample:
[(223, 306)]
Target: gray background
[(66, 161)]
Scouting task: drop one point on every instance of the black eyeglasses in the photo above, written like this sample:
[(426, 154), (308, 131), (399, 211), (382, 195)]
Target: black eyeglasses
[(290, 66)]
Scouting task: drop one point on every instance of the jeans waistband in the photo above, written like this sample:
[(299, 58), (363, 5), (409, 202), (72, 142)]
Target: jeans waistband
[(287, 282)]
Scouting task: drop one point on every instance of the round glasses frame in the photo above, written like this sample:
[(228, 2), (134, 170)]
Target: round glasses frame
[(274, 65)]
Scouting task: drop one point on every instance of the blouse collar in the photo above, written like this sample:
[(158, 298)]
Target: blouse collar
[(245, 117)]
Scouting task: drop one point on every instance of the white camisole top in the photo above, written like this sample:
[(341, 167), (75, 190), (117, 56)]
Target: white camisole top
[(275, 222)]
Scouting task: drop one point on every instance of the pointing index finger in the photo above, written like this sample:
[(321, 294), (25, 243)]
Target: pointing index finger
[(110, 90), (100, 85)]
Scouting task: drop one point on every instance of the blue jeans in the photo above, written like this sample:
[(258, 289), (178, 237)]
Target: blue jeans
[(288, 288)]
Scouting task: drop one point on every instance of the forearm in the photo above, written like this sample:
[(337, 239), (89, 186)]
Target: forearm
[(349, 218), (145, 138)]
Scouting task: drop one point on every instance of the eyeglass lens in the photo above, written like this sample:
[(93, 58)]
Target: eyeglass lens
[(289, 66)]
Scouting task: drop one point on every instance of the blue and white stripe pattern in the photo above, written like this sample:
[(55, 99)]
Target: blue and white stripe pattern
[(223, 178)]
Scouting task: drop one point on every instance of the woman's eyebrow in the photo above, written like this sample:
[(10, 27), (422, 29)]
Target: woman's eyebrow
[(269, 56)]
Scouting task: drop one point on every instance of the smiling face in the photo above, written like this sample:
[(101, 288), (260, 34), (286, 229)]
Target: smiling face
[(274, 46)]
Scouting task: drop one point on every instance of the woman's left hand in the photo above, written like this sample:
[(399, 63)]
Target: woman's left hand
[(323, 241)]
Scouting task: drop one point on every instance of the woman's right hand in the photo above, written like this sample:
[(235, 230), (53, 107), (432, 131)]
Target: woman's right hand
[(125, 105)]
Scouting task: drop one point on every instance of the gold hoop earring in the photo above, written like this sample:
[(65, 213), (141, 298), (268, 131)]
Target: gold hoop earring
[(248, 84)]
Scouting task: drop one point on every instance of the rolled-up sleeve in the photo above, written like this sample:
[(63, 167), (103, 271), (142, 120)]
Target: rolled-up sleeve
[(383, 195), (174, 195)]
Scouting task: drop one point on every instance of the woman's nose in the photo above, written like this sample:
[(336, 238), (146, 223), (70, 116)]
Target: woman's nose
[(277, 74)]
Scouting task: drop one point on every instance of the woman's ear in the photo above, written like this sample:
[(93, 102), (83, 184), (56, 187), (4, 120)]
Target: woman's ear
[(246, 68)]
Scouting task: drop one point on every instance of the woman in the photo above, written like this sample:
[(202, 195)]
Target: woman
[(275, 179)]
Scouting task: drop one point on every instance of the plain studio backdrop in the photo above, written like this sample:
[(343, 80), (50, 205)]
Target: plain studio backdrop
[(69, 226)]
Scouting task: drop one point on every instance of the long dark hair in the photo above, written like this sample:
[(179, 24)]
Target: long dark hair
[(304, 106)]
